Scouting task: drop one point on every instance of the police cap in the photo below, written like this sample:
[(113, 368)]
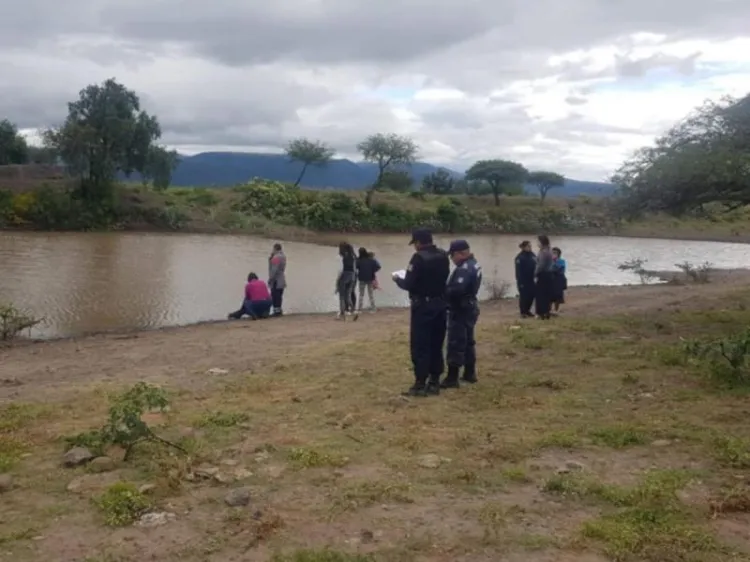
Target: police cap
[(458, 246), (421, 235)]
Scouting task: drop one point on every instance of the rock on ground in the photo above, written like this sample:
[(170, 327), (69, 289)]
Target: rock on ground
[(77, 456), (237, 497), (6, 483)]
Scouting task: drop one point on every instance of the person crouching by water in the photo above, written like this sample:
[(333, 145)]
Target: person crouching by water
[(560, 280), (425, 280), (346, 280), (463, 313), (277, 277), (525, 269), (257, 303), (545, 275), (367, 269)]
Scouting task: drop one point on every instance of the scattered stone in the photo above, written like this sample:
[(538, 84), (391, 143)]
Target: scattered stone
[(347, 421), (296, 399), (215, 371), (223, 478), (230, 462), (242, 474), (156, 519), (366, 536), (263, 456), (206, 472), (570, 466), (77, 456), (13, 381), (513, 328), (237, 497), (661, 443), (101, 464), (6, 483), (274, 471), (430, 461), (147, 488)]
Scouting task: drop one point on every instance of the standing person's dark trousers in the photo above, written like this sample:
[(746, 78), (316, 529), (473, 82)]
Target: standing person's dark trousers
[(461, 344), (526, 299), (277, 297), (427, 336), (543, 295)]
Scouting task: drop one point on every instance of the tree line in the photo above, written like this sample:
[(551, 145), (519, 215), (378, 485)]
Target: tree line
[(106, 133)]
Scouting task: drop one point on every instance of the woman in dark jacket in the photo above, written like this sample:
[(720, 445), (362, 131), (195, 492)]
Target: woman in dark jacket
[(346, 279), (544, 274), (367, 269)]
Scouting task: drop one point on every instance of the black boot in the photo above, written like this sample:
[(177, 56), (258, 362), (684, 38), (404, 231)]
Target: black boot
[(470, 374), (433, 386), (418, 390), (451, 380)]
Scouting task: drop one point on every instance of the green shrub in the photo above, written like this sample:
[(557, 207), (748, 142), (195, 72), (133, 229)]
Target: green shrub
[(122, 504)]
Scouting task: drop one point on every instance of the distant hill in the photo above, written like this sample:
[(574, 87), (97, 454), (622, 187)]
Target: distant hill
[(222, 169)]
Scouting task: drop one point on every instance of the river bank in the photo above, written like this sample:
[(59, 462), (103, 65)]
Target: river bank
[(578, 430), (273, 210)]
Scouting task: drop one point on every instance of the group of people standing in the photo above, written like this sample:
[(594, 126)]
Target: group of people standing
[(541, 279), (357, 270)]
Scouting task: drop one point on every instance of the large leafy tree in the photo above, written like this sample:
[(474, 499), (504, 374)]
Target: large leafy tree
[(438, 182), (501, 175), (105, 133), (13, 147), (704, 159), (160, 164), (387, 151), (310, 153), (544, 181)]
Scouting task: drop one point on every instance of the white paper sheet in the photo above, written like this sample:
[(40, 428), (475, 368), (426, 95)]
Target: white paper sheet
[(401, 274)]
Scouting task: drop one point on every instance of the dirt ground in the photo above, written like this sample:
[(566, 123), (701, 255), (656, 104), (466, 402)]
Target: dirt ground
[(591, 437)]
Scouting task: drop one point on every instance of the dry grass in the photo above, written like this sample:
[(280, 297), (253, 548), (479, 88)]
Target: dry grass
[(586, 439)]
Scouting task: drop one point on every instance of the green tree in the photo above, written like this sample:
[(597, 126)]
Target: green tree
[(499, 174), (13, 147), (544, 181), (310, 153), (106, 132), (397, 180), (42, 155), (704, 159), (438, 182), (387, 151), (160, 164)]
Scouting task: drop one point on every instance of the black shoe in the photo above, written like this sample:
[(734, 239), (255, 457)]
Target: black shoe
[(418, 391), (451, 380), (469, 376), (433, 388)]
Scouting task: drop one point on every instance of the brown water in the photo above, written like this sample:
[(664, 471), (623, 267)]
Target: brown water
[(84, 282)]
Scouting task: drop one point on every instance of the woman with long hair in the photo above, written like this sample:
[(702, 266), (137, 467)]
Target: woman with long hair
[(545, 278), (346, 280)]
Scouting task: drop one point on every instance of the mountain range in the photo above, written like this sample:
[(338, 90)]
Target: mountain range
[(222, 169)]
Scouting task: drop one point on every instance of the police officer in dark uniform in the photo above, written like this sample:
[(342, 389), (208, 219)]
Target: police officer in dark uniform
[(525, 269), (463, 313), (425, 280)]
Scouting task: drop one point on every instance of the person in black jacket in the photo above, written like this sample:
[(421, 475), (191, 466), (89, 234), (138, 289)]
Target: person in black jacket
[(425, 280), (367, 269), (525, 268)]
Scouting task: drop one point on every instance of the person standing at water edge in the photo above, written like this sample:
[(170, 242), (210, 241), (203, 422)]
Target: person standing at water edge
[(277, 278), (425, 280), (346, 280), (463, 312), (544, 274), (525, 269), (367, 269), (560, 281)]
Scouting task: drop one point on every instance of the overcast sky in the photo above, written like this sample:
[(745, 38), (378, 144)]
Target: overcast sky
[(570, 86)]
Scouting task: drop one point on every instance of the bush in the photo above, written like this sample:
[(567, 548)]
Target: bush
[(726, 358), (14, 321), (637, 266), (696, 274), (497, 289), (6, 207), (122, 504)]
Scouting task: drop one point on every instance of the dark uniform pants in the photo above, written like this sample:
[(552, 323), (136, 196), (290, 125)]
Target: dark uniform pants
[(544, 288), (427, 336), (277, 297), (526, 298), (461, 342)]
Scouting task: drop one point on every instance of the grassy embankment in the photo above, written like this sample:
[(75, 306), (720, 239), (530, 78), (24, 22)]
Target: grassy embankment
[(589, 438), (268, 209)]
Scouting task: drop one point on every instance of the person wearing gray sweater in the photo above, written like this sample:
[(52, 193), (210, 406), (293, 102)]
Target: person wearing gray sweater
[(544, 274)]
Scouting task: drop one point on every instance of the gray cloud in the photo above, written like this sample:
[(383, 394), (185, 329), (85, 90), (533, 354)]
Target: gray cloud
[(245, 73)]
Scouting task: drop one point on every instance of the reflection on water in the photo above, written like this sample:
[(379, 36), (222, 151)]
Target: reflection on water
[(103, 281)]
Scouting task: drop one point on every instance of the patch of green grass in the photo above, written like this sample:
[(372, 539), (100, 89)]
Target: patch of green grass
[(732, 451), (651, 534), (122, 504), (222, 419), (516, 474), (22, 535), (11, 450), (531, 339), (560, 439), (363, 494), (17, 416), (322, 555), (619, 436), (302, 457)]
